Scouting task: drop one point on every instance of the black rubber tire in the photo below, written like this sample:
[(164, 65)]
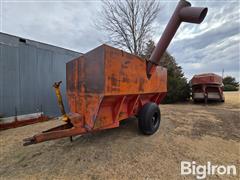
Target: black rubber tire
[(149, 118)]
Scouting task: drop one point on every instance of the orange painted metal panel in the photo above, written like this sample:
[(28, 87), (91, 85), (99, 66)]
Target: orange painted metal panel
[(126, 74)]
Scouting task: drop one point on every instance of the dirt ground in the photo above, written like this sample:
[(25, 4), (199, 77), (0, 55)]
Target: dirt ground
[(190, 132)]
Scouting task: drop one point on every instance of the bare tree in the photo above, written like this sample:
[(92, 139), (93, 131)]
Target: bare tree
[(129, 22)]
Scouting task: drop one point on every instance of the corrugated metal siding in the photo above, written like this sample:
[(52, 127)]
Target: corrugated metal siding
[(27, 73)]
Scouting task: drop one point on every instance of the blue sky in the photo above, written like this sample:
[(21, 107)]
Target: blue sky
[(210, 47)]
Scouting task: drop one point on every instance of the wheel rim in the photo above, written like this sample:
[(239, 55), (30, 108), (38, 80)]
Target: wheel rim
[(155, 119)]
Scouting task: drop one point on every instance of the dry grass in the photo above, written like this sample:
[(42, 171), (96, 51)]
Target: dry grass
[(233, 98), (188, 131)]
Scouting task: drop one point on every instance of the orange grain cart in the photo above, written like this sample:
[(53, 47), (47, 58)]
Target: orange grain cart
[(107, 85)]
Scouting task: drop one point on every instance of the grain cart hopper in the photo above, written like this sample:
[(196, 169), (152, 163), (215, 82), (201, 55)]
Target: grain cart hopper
[(206, 87), (107, 85)]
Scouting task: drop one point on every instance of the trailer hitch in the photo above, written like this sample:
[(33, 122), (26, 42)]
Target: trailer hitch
[(65, 130), (40, 137)]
